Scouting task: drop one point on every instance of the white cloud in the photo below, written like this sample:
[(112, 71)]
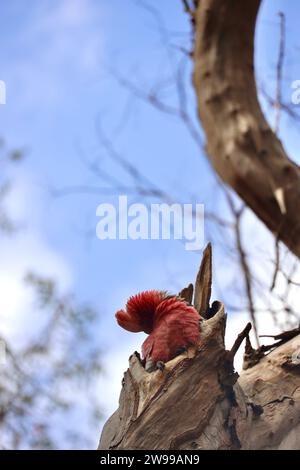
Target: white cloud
[(27, 250), (115, 363), (62, 14), (61, 44)]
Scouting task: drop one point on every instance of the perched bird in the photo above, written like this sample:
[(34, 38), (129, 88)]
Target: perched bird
[(172, 324)]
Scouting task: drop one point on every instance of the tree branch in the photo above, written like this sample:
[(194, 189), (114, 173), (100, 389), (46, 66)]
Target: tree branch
[(242, 147)]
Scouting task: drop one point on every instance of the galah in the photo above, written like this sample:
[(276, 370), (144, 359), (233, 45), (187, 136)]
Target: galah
[(172, 325)]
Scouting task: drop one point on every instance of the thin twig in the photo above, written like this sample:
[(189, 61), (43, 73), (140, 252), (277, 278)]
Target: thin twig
[(188, 9), (243, 335), (277, 264), (279, 67), (244, 263)]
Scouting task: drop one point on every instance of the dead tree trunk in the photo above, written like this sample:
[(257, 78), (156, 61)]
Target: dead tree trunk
[(199, 402), (241, 146)]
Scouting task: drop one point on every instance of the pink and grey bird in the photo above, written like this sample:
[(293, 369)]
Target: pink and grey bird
[(172, 324)]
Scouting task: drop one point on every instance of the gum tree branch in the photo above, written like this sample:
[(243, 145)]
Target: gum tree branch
[(241, 146)]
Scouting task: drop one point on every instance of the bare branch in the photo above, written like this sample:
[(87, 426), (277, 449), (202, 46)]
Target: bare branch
[(279, 67), (243, 335), (244, 263)]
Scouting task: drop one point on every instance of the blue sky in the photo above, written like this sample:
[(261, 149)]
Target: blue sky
[(56, 59)]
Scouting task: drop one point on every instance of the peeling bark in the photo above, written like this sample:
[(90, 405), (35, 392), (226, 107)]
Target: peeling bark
[(241, 146)]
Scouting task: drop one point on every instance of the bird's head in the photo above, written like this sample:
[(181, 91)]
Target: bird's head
[(140, 309)]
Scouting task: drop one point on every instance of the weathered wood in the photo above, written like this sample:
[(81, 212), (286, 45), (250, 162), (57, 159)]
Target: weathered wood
[(203, 283), (198, 403), (187, 293), (241, 146), (276, 388)]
